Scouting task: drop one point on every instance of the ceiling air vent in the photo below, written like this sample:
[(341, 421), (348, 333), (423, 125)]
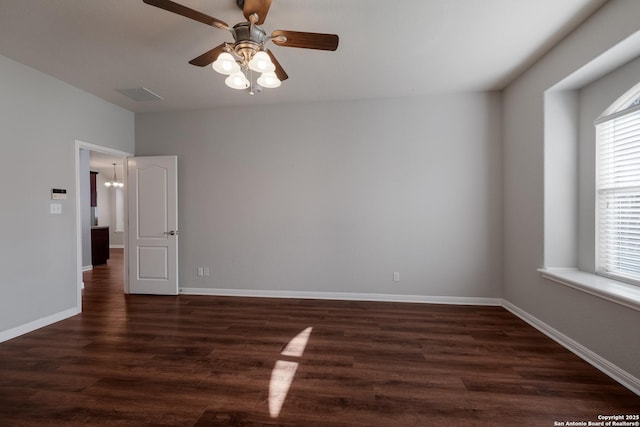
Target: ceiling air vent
[(140, 94)]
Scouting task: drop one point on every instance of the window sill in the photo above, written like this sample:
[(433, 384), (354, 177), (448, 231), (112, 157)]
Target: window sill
[(609, 289)]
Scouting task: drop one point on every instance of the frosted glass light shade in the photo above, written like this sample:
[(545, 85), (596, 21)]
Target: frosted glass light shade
[(269, 80), (226, 64), (237, 81), (261, 63)]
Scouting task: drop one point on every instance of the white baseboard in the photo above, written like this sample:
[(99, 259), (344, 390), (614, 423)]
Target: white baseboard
[(37, 324), (116, 246), (610, 369), (342, 296), (87, 267)]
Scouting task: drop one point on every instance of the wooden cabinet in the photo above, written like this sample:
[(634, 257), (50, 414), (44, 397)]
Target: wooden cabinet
[(99, 245), (94, 191)]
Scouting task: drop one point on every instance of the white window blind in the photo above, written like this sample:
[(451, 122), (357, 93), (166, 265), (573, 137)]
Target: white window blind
[(618, 196)]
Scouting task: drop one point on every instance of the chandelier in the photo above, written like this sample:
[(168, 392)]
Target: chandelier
[(114, 182)]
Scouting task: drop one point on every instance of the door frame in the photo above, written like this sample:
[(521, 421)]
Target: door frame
[(123, 155)]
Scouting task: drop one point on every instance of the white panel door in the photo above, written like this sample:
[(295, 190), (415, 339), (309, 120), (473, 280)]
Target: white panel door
[(153, 225)]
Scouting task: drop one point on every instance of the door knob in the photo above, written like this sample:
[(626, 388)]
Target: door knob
[(172, 232)]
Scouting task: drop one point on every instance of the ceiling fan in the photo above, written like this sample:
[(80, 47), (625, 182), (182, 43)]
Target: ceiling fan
[(248, 52)]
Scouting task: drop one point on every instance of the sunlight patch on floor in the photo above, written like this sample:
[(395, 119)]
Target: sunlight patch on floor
[(281, 379), (296, 346), (284, 371)]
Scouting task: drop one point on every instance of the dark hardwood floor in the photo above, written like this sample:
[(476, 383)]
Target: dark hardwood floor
[(208, 361)]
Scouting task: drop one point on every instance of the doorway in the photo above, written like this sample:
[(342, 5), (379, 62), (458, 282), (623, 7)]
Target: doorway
[(103, 214)]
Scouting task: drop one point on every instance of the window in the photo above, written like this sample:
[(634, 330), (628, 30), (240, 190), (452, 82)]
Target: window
[(618, 194), (603, 92)]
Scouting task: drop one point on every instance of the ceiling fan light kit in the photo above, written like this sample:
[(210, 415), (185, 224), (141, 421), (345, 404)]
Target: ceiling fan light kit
[(226, 64), (269, 80), (261, 63), (237, 81), (247, 54)]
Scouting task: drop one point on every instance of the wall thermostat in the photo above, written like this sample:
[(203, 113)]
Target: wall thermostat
[(58, 194)]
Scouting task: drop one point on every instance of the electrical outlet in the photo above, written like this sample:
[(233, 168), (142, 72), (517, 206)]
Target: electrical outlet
[(55, 208), (200, 271), (206, 271), (396, 276)]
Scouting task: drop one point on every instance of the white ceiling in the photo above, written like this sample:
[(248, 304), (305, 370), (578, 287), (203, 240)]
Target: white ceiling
[(103, 163), (387, 48)]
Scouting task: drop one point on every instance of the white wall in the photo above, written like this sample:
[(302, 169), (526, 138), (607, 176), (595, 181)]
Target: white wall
[(103, 201), (107, 207), (85, 208), (608, 329), (116, 237), (40, 120), (335, 197)]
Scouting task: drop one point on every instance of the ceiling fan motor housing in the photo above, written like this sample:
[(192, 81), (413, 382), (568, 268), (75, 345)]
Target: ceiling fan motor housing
[(249, 39), (245, 31)]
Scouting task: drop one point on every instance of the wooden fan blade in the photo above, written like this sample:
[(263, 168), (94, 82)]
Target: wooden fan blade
[(259, 7), (187, 12), (208, 57), (280, 73), (306, 40)]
